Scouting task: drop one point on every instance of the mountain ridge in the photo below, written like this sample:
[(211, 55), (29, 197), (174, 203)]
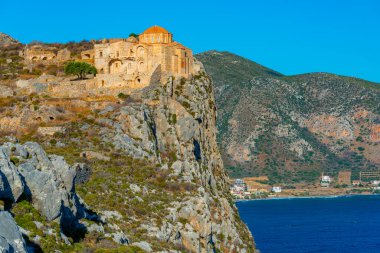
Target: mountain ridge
[(292, 128)]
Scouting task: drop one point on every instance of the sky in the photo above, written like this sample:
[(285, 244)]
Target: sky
[(289, 36)]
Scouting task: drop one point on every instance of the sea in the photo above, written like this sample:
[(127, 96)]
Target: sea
[(314, 225)]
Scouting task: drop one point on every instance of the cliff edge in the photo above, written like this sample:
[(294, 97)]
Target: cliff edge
[(151, 177)]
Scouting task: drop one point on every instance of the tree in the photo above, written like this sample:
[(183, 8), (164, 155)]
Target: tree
[(134, 35), (80, 69)]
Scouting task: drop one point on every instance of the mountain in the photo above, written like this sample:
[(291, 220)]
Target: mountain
[(292, 128), (6, 39)]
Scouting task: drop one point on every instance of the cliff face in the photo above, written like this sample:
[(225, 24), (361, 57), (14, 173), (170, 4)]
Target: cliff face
[(292, 128), (157, 180)]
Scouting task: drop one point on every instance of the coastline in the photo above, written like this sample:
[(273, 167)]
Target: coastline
[(308, 197)]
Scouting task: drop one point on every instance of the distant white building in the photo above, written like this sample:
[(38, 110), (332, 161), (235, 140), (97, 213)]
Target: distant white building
[(325, 181), (276, 189)]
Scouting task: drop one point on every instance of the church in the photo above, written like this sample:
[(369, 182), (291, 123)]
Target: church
[(137, 62)]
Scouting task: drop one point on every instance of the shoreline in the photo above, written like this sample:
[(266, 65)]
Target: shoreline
[(309, 197)]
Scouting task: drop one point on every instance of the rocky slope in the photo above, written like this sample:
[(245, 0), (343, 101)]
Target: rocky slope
[(147, 170), (291, 128), (6, 39)]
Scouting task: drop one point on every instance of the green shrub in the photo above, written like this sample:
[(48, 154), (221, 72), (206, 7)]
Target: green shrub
[(80, 69), (122, 96), (15, 160)]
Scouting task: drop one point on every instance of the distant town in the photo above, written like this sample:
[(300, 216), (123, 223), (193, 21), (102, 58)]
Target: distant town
[(367, 182)]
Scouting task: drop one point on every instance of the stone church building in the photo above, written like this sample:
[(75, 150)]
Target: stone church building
[(138, 62)]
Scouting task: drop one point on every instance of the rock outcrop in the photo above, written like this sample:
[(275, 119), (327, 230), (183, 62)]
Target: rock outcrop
[(47, 180), (181, 125), (6, 39), (11, 184), (11, 240)]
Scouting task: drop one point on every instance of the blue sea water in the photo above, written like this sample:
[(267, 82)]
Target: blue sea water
[(314, 225)]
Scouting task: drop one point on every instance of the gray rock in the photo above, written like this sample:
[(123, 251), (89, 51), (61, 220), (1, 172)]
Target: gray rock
[(39, 87), (143, 245), (11, 185), (107, 215), (95, 228), (83, 173), (135, 188), (120, 237), (11, 239), (5, 91), (60, 144), (38, 224), (107, 109), (50, 181)]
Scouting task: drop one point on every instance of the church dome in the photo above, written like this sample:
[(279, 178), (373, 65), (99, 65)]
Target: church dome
[(155, 29), (156, 35)]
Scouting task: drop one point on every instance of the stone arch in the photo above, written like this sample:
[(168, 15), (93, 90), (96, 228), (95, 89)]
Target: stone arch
[(141, 67), (115, 66), (129, 67), (34, 58), (44, 58), (141, 51)]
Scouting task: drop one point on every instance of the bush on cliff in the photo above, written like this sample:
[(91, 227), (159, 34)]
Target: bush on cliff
[(80, 69)]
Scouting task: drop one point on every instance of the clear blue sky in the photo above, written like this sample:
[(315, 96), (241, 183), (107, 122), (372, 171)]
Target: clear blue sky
[(290, 36)]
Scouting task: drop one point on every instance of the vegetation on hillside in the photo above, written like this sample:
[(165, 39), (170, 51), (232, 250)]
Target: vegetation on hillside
[(265, 120), (80, 69)]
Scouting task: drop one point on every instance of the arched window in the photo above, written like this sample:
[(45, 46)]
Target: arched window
[(117, 54), (141, 66), (101, 54), (141, 51)]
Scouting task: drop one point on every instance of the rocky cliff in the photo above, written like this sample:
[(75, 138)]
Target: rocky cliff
[(291, 128), (148, 175)]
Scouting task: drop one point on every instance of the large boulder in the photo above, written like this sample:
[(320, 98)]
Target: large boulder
[(11, 185), (47, 180), (11, 239), (50, 182)]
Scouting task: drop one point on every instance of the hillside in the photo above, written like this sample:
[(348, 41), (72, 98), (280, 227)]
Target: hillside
[(6, 39), (292, 128), (98, 170)]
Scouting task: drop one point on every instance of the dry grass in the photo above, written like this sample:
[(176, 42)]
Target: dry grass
[(8, 102)]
